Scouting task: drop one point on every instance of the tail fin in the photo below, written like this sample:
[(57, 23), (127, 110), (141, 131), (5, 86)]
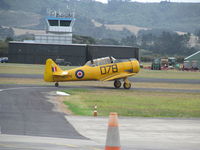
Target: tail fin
[(50, 68)]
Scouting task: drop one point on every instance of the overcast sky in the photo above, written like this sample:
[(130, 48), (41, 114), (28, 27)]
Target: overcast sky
[(198, 1)]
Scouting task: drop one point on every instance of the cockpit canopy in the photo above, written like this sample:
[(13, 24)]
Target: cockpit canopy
[(100, 61)]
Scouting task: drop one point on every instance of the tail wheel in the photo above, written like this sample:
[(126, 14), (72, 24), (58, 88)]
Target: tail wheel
[(56, 84), (127, 85), (117, 84)]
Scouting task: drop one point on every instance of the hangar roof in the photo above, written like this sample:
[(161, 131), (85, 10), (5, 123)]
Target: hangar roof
[(195, 56)]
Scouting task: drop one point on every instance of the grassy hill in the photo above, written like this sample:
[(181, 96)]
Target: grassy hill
[(113, 16)]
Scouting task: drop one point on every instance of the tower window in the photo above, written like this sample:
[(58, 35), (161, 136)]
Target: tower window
[(53, 22), (65, 22)]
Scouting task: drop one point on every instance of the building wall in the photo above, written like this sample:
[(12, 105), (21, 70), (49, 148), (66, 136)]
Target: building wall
[(194, 61), (120, 52), (76, 54), (54, 38)]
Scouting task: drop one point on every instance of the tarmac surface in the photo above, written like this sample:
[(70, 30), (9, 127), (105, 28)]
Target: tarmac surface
[(25, 111), (28, 121), (21, 142), (144, 133)]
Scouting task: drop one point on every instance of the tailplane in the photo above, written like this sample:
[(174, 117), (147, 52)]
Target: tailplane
[(50, 68)]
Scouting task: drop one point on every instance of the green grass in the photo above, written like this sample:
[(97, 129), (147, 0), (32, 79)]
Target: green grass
[(135, 103), (78, 109)]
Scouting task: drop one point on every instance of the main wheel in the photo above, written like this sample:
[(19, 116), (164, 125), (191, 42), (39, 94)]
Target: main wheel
[(117, 84), (56, 84), (127, 85)]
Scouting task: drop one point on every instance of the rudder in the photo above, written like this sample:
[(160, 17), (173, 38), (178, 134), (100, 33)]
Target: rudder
[(50, 67)]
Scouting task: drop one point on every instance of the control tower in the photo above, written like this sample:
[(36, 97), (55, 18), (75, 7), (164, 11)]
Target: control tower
[(58, 28)]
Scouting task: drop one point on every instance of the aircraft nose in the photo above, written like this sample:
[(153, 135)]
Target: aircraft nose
[(136, 66)]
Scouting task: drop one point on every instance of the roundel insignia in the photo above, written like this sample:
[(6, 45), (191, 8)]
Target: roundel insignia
[(79, 74)]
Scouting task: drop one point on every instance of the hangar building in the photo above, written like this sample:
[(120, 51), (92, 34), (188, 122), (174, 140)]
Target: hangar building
[(192, 61), (76, 54)]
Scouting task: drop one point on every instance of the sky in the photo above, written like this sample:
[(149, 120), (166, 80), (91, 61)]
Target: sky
[(198, 1)]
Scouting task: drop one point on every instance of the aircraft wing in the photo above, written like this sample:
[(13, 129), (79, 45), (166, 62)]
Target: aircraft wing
[(117, 76)]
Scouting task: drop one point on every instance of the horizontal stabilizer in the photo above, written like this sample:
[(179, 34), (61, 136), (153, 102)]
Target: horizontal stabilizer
[(60, 73)]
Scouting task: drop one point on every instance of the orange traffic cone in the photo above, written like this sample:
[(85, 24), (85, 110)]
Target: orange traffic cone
[(113, 140), (95, 111)]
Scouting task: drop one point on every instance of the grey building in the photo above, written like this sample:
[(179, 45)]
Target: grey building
[(192, 61), (76, 54)]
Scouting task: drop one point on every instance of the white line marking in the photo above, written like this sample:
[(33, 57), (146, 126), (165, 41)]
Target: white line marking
[(18, 88), (62, 93)]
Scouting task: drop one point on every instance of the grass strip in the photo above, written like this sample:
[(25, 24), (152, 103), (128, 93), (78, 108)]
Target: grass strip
[(135, 103), (78, 109)]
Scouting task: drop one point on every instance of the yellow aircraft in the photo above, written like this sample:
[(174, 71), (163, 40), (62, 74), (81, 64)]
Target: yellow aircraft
[(102, 69)]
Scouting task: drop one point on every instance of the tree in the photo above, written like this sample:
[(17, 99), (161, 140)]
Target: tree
[(8, 39), (6, 32), (129, 40), (197, 33), (108, 42), (166, 43), (83, 39)]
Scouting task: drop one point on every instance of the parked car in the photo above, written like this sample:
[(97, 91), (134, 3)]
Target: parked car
[(4, 59)]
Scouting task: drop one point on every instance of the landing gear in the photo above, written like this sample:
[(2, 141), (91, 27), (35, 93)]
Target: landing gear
[(126, 85), (56, 84), (117, 84)]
